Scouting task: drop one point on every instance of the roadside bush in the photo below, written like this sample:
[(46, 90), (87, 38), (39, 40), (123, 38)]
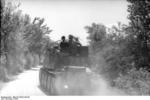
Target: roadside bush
[(136, 82), (3, 71), (114, 57)]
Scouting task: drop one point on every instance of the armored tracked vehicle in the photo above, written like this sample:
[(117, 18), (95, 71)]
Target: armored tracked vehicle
[(65, 73)]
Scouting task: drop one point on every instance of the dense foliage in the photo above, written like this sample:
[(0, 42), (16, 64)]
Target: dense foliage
[(122, 53), (22, 40), (140, 23)]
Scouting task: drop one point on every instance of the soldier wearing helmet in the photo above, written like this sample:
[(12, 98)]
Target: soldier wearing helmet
[(63, 45)]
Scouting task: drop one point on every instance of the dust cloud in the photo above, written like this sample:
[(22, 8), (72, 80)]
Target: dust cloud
[(82, 83)]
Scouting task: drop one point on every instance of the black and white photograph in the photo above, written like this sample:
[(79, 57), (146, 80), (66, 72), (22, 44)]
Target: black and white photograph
[(74, 48)]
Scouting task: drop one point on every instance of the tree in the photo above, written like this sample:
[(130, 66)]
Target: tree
[(97, 32), (10, 26), (18, 36), (35, 35), (140, 23)]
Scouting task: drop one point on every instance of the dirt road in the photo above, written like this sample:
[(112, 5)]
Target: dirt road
[(26, 84)]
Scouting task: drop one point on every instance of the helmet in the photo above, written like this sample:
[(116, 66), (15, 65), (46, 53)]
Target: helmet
[(63, 37)]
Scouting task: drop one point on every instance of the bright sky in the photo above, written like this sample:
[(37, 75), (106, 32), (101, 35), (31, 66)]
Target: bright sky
[(71, 16)]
